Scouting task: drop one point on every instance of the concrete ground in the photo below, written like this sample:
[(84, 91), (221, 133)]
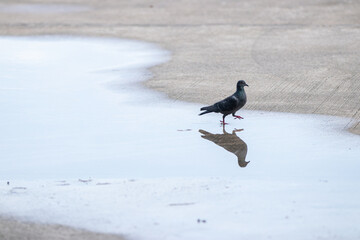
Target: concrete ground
[(299, 56), (11, 229)]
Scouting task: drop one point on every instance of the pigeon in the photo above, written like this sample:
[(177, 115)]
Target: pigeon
[(230, 142), (230, 104)]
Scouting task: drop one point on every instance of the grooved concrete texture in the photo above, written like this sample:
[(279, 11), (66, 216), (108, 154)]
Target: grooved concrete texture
[(297, 55), (11, 229)]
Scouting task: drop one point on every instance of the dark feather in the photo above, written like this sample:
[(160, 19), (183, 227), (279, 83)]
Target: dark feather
[(230, 104)]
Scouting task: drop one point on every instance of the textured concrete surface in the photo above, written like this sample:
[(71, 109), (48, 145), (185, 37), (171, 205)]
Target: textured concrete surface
[(11, 229), (298, 56)]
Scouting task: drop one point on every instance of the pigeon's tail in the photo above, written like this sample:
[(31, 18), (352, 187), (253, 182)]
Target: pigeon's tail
[(204, 113), (207, 109)]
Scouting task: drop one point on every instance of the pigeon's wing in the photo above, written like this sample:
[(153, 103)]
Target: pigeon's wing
[(229, 104)]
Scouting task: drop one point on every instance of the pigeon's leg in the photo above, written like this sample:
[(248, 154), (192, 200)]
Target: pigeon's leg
[(223, 121), (237, 117)]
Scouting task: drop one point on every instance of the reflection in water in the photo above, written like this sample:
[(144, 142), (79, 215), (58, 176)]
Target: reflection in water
[(231, 142)]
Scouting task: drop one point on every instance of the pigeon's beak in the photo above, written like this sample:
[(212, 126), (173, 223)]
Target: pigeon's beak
[(246, 84)]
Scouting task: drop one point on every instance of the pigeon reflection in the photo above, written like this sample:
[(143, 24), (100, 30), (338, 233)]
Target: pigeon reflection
[(230, 142)]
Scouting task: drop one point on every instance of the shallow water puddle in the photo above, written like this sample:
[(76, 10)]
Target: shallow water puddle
[(73, 108)]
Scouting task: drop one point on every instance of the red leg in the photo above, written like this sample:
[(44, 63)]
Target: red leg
[(237, 117), (223, 121)]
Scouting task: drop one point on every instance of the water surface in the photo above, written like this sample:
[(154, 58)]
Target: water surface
[(74, 108)]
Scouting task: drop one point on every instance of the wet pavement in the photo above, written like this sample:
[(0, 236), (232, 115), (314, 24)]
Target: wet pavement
[(74, 108), (85, 114)]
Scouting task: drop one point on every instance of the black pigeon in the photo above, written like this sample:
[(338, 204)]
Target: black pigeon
[(230, 104)]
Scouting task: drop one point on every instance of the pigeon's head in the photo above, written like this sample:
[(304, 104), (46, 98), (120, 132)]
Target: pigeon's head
[(241, 84)]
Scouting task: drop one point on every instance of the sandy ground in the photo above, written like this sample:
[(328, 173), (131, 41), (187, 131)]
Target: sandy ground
[(11, 229), (297, 56)]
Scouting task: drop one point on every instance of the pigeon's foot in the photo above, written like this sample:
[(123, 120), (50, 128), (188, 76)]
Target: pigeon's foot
[(237, 117), (238, 130), (223, 123)]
